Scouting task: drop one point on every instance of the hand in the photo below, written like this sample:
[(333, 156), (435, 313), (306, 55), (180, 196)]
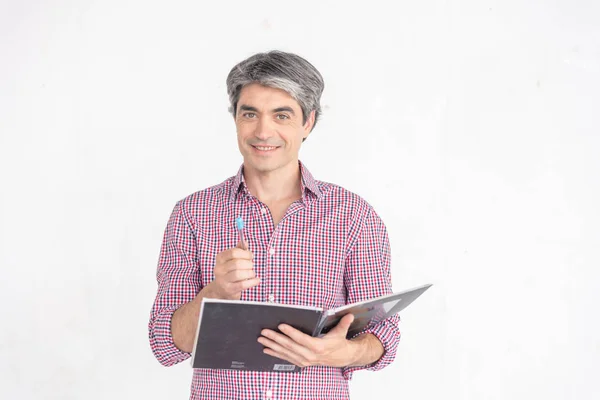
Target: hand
[(332, 350), (234, 273)]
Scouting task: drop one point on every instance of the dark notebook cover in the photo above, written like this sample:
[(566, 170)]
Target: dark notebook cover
[(227, 333)]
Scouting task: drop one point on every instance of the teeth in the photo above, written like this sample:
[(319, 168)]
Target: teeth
[(265, 148)]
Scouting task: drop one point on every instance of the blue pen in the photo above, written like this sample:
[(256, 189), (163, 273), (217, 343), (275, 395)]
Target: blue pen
[(239, 222)]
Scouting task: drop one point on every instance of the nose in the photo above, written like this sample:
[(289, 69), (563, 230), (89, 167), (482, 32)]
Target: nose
[(264, 128)]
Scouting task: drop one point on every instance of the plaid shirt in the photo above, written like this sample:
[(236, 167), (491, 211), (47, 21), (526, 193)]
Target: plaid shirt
[(330, 249)]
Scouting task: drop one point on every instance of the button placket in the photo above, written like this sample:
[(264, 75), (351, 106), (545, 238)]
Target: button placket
[(271, 266), (270, 263)]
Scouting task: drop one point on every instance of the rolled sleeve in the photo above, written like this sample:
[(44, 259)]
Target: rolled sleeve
[(389, 335), (178, 279), (161, 340), (367, 275)]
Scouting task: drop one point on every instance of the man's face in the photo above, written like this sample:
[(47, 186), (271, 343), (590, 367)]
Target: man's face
[(269, 128)]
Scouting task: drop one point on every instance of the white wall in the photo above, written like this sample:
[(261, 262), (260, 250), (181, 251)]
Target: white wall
[(470, 126)]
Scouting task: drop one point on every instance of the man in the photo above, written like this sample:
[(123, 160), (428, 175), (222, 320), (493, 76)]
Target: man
[(308, 243)]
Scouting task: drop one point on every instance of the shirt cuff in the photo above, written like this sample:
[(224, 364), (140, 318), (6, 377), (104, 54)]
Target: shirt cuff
[(161, 340), (389, 335)]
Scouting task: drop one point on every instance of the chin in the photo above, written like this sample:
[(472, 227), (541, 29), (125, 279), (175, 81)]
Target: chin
[(263, 166)]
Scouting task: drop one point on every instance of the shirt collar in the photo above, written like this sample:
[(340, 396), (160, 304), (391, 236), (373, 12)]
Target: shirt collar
[(308, 184)]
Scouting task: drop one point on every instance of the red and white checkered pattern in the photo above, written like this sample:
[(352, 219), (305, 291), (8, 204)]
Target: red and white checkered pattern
[(330, 249)]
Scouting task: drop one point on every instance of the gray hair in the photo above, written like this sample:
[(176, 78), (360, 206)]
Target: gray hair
[(279, 70)]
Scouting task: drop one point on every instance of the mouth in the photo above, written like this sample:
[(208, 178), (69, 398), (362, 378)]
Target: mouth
[(265, 149)]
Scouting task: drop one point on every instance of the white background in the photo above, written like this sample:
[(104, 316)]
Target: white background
[(471, 126)]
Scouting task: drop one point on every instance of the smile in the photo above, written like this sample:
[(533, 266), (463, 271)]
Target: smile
[(265, 148)]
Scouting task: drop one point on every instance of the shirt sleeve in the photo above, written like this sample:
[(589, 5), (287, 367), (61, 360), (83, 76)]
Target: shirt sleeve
[(178, 281), (367, 275)]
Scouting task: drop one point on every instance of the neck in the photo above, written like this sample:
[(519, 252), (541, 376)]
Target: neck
[(274, 186)]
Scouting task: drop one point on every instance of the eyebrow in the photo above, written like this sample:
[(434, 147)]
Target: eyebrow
[(245, 107), (288, 109)]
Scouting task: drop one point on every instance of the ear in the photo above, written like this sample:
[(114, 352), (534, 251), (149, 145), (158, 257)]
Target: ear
[(310, 122)]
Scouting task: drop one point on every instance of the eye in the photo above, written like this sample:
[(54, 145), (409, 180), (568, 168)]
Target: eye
[(282, 116), (249, 115)]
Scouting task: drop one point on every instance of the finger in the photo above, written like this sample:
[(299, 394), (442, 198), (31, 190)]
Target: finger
[(342, 327), (221, 270), (235, 253), (297, 336), (240, 275), (285, 342), (273, 353), (240, 286), (277, 350), (234, 265)]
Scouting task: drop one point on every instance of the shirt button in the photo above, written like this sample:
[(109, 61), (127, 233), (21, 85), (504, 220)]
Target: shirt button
[(269, 394), (272, 251), (271, 298), (263, 210)]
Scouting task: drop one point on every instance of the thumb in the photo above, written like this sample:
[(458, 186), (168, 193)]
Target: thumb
[(342, 327)]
